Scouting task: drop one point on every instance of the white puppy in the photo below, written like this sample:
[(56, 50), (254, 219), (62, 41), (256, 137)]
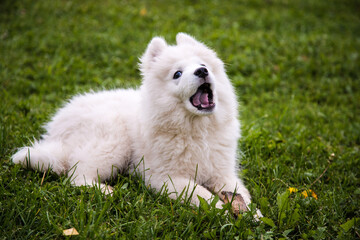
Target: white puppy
[(183, 123)]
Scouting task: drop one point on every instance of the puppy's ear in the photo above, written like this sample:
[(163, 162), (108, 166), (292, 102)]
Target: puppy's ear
[(183, 38), (154, 49)]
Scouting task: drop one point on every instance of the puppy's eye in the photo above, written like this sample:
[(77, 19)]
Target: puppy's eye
[(202, 65), (177, 74)]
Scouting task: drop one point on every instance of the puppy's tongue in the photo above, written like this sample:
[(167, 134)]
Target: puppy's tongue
[(201, 98)]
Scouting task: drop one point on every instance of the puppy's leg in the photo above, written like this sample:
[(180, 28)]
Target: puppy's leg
[(83, 180), (176, 186), (90, 169)]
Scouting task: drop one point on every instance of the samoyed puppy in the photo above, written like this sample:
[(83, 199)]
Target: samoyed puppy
[(180, 128)]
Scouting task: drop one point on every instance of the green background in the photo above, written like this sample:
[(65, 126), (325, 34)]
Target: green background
[(295, 66)]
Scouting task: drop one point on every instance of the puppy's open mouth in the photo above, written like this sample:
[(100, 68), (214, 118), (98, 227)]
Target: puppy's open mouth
[(203, 98)]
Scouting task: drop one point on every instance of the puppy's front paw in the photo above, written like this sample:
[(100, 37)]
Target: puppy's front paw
[(106, 189), (238, 204)]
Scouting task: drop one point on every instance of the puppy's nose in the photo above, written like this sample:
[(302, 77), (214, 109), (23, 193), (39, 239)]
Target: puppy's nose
[(201, 72)]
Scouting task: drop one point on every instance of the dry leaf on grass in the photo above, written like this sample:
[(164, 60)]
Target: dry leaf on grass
[(70, 232)]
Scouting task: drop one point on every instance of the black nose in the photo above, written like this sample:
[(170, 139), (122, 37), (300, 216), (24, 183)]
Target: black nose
[(201, 72)]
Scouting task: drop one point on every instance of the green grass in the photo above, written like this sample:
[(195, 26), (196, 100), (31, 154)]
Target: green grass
[(296, 69)]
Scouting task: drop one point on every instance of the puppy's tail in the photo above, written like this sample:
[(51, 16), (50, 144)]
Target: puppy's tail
[(41, 156)]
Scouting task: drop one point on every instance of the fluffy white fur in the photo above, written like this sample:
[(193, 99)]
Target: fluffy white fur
[(105, 132)]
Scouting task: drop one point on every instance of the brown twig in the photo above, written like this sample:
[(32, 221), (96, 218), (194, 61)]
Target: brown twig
[(327, 167), (357, 233), (42, 180)]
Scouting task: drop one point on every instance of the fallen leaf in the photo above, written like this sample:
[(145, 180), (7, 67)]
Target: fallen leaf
[(70, 232)]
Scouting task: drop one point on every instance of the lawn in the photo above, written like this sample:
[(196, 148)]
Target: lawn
[(296, 69)]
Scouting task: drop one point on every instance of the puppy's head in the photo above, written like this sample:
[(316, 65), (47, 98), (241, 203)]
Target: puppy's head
[(185, 74)]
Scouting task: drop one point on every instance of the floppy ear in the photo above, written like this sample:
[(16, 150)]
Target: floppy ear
[(182, 38), (154, 49)]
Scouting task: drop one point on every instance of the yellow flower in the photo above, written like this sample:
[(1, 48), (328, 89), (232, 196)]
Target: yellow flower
[(307, 193), (313, 194), (292, 189), (143, 12)]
